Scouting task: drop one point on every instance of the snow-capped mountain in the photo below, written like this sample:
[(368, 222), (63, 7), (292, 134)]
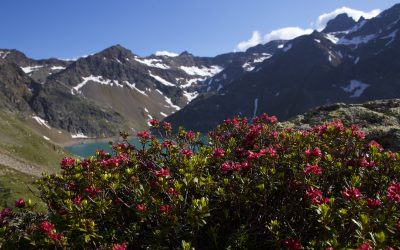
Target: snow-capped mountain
[(347, 62), (115, 89), (99, 95)]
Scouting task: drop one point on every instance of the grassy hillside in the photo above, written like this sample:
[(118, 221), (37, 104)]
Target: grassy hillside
[(21, 142), (15, 185), (24, 155)]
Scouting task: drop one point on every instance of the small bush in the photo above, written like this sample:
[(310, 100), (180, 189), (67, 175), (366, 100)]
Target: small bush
[(247, 186)]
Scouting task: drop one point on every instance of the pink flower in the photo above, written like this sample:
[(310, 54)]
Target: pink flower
[(55, 236), (364, 246), (190, 135), (245, 165), (165, 208), (154, 123), (367, 164), (167, 126), (373, 203), (218, 153), (92, 191), (163, 172), (172, 191), (187, 152), (140, 207), (398, 225), (67, 162), (167, 144), (393, 192), (46, 227), (292, 244), (78, 200), (5, 212), (122, 246), (316, 152), (20, 203), (351, 193), (312, 169), (315, 195), (374, 144), (144, 135), (226, 166)]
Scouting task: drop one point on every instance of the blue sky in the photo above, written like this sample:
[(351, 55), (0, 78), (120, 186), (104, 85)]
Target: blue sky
[(72, 28)]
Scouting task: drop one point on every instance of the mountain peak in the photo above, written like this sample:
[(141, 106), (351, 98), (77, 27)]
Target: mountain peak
[(186, 53), (116, 51), (341, 22)]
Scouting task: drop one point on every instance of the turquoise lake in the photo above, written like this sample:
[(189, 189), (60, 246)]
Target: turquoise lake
[(89, 149)]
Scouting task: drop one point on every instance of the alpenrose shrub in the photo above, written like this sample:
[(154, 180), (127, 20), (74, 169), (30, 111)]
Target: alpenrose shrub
[(248, 186)]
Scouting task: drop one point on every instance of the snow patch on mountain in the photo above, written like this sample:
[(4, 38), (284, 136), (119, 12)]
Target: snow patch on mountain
[(170, 103), (190, 95), (96, 79), (287, 47), (30, 69), (161, 80), (357, 40), (391, 36), (190, 82), (331, 37), (41, 121), (255, 107), (57, 68), (355, 88), (79, 135), (250, 65), (155, 63), (203, 71), (133, 86), (4, 54)]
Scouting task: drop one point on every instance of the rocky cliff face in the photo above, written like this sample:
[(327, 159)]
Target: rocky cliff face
[(379, 119)]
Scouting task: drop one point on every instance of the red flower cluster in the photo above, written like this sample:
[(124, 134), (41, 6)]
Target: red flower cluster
[(312, 169), (393, 192), (352, 193), (187, 152), (236, 166), (78, 200), (364, 246), (143, 135), (67, 162), (374, 144), (48, 228), (92, 191), (316, 152), (315, 195), (154, 123), (163, 172), (5, 212), (366, 164), (165, 208), (122, 246), (190, 135), (218, 153), (292, 244), (167, 144), (20, 203), (373, 203), (140, 207), (356, 132)]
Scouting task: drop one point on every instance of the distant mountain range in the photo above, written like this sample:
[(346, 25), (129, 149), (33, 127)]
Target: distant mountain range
[(113, 90)]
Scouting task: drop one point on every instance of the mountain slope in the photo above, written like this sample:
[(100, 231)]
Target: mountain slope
[(353, 66)]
